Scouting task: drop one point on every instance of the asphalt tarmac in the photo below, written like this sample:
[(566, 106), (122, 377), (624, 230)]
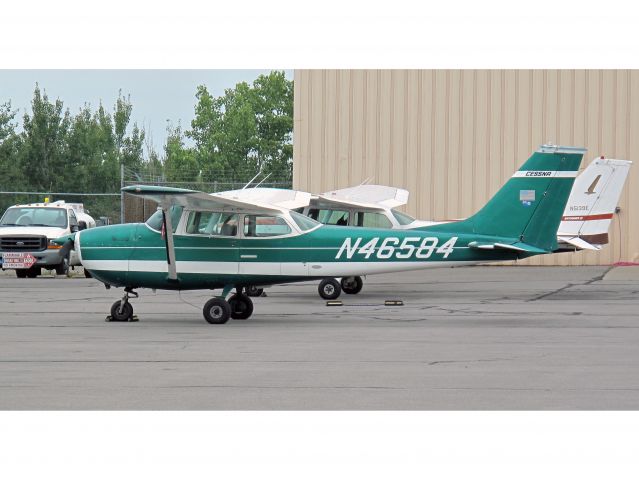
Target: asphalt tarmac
[(475, 338)]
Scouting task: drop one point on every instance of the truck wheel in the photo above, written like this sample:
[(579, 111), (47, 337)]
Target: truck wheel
[(21, 273), (33, 272), (329, 289)]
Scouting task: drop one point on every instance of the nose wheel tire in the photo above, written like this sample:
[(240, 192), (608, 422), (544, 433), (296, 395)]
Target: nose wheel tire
[(352, 285), (241, 306), (329, 289), (253, 291), (121, 312), (63, 268), (217, 311)]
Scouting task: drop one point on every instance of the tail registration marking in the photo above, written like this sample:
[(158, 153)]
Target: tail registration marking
[(409, 247)]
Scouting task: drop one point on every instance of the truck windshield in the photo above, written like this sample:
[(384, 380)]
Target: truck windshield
[(35, 217)]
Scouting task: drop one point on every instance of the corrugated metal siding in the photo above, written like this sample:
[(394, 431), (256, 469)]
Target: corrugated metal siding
[(453, 137)]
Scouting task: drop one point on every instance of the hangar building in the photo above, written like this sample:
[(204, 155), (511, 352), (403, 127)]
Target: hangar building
[(453, 137)]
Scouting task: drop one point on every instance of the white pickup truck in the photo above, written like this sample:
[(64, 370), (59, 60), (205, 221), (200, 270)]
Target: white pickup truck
[(27, 231)]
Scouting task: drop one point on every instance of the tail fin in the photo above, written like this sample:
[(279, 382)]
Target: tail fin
[(592, 203), (527, 210)]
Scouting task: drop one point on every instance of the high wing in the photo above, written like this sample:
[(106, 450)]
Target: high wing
[(168, 196), (591, 206), (287, 199), (374, 197)]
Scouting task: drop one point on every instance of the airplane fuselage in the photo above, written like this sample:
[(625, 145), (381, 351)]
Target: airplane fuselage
[(135, 255)]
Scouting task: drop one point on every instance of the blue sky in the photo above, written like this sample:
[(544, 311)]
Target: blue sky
[(157, 96)]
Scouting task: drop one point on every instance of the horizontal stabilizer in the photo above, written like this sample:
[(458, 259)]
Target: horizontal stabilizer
[(580, 243), (518, 247)]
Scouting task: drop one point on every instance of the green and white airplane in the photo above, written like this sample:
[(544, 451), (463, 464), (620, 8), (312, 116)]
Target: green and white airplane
[(215, 241)]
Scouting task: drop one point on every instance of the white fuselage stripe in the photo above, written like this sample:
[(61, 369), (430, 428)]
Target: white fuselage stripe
[(310, 269)]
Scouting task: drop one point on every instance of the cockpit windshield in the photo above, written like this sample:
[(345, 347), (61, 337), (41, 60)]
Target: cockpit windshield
[(305, 223), (155, 220), (402, 218)]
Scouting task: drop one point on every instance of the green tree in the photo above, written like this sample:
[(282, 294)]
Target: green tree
[(179, 162), (10, 177), (246, 130), (273, 105), (44, 149)]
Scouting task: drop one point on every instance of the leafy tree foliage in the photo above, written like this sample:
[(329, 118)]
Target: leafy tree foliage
[(246, 130), (232, 137)]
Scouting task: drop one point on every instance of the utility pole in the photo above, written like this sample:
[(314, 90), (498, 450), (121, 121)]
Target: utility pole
[(121, 193)]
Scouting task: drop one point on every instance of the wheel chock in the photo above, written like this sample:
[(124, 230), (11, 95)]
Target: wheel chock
[(393, 303), (134, 318)]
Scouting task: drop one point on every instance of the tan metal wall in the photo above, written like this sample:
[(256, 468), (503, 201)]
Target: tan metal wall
[(453, 137)]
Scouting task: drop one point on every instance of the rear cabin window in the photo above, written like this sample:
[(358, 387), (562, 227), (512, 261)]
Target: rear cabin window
[(212, 223), (262, 226), (372, 220), (329, 217), (155, 220)]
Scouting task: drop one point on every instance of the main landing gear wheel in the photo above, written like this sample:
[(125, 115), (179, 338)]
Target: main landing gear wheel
[(352, 285), (217, 311), (241, 306), (121, 311), (329, 289), (253, 291)]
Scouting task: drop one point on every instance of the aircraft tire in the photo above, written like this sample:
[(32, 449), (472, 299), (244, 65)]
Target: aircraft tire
[(253, 291), (352, 285), (329, 289), (125, 315), (63, 267), (241, 306), (217, 311), (87, 274)]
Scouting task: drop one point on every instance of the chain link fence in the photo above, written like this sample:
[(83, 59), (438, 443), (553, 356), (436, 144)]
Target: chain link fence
[(114, 207)]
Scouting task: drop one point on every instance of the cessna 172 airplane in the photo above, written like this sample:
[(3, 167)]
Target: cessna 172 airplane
[(214, 241), (584, 225)]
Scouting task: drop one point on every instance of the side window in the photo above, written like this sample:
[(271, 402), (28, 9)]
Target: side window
[(212, 223), (329, 217), (265, 226), (372, 220)]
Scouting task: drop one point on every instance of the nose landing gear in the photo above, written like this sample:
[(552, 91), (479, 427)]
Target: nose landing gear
[(122, 310)]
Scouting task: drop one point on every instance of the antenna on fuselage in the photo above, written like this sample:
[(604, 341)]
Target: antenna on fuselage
[(251, 180), (366, 181), (263, 180)]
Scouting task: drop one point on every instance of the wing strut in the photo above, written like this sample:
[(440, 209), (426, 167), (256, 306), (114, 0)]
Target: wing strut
[(168, 237)]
